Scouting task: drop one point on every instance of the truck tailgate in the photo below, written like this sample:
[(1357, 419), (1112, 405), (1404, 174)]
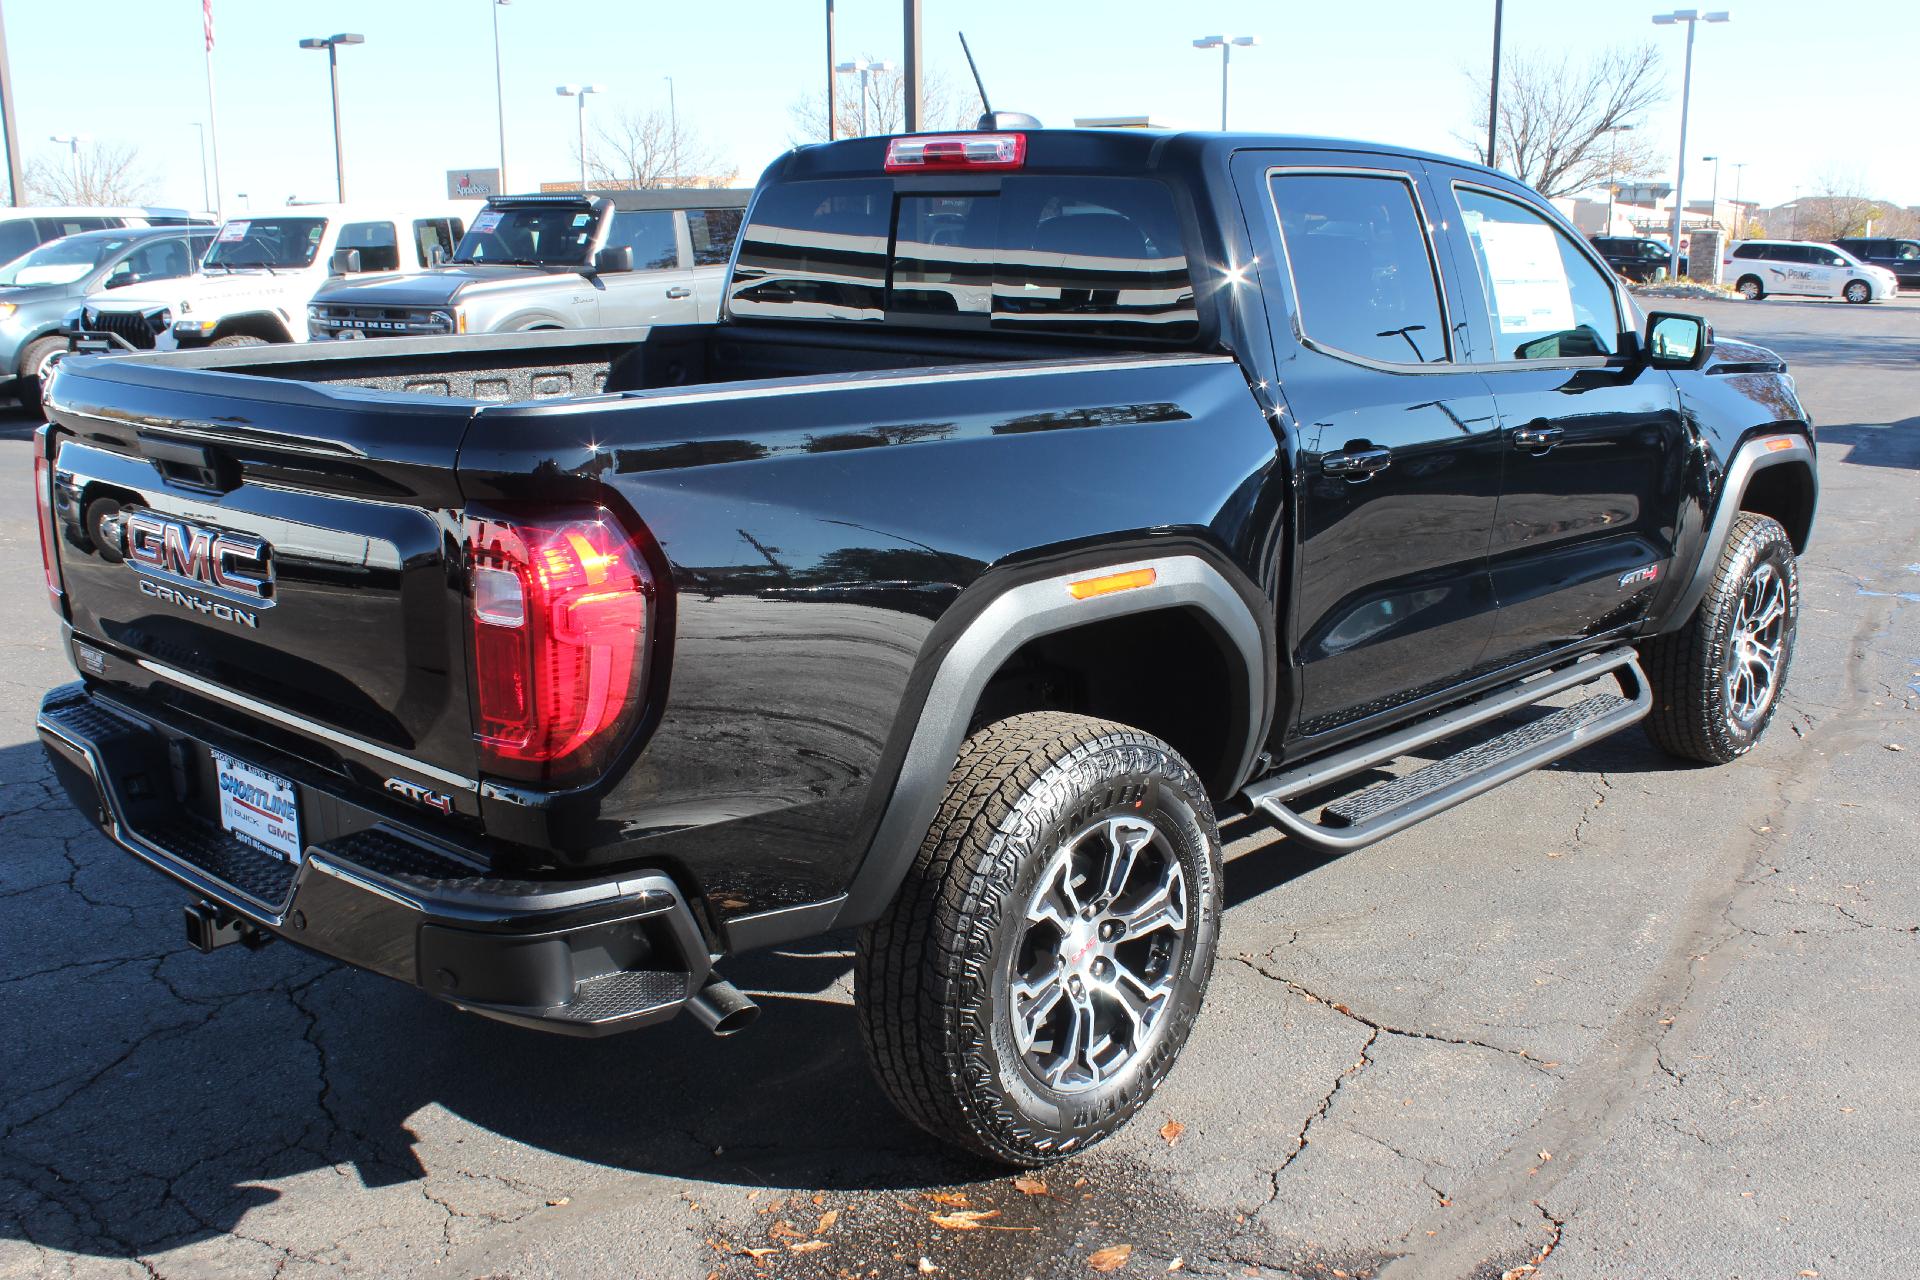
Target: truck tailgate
[(283, 549)]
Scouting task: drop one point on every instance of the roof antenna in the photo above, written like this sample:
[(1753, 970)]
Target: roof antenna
[(993, 119)]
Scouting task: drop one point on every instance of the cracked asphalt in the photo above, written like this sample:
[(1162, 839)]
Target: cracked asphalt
[(1620, 1018)]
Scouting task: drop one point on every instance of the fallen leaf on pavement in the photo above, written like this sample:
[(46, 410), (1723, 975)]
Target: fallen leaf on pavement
[(927, 1266), (1110, 1259), (557, 1201), (827, 1219), (783, 1230), (1171, 1131), (1178, 1264), (952, 1199), (963, 1219), (1030, 1185), (807, 1246)]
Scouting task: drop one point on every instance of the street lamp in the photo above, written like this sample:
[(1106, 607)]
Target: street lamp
[(1739, 210), (499, 92), (865, 68), (1613, 139), (580, 91), (1225, 45), (673, 126), (1693, 18), (332, 45), (72, 141)]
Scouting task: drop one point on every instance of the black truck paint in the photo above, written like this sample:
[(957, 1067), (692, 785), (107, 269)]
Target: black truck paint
[(862, 536)]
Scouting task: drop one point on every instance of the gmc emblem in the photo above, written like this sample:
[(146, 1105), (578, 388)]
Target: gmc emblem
[(237, 565)]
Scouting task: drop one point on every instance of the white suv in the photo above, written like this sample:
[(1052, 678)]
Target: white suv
[(262, 270), (1760, 267)]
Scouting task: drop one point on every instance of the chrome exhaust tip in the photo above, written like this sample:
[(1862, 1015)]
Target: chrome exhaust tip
[(722, 1008)]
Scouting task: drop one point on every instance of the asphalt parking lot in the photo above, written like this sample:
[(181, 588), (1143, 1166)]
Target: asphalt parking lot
[(1621, 1018)]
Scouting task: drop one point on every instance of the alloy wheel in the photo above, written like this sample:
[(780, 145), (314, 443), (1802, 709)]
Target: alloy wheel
[(1755, 647), (1101, 948)]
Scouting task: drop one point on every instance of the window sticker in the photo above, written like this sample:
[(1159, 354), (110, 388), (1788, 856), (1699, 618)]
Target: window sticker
[(235, 231), (1531, 293), (486, 222), (582, 219)]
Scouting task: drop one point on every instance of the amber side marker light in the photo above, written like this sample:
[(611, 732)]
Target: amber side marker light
[(1778, 443), (1106, 585)]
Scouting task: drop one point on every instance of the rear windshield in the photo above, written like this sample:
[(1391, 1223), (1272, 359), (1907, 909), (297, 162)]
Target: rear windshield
[(1043, 254)]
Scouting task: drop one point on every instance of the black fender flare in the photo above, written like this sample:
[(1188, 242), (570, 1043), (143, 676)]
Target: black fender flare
[(1013, 618), (1785, 445)]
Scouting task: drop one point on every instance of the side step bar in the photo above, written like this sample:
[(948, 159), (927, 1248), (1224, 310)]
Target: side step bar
[(1397, 803)]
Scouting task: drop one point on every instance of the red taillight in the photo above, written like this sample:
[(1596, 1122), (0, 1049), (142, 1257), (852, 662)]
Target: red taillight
[(43, 499), (561, 608), (936, 153)]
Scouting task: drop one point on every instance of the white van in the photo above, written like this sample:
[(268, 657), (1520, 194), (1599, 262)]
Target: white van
[(263, 268), (1760, 267)]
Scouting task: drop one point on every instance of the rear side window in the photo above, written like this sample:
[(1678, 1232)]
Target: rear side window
[(378, 245), (649, 233), (1546, 300), (1041, 254), (1363, 277), (713, 232), (17, 235)]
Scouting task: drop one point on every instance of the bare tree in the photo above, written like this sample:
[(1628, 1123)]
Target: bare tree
[(1838, 207), (640, 149), (1557, 115), (940, 107), (106, 174)]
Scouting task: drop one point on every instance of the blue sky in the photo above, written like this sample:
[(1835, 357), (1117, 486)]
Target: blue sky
[(1793, 92)]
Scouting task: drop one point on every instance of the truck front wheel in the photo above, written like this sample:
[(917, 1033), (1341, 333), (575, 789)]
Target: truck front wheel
[(1717, 681), (1038, 972)]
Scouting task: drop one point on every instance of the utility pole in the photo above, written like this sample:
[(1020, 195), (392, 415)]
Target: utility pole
[(1225, 45), (1693, 18), (832, 76), (1493, 90), (1739, 210), (499, 94), (16, 183), (911, 85), (213, 117), (332, 45)]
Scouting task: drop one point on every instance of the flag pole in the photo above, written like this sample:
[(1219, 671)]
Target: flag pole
[(213, 117)]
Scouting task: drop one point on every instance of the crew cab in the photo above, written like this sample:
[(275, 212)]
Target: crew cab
[(262, 270), (1038, 495), (554, 262)]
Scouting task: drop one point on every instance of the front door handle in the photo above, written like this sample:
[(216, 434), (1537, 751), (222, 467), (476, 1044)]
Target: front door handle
[(1357, 464), (1537, 437), (679, 291)]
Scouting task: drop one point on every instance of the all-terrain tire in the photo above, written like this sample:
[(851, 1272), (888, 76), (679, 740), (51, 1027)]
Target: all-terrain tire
[(934, 977), (239, 340), (1694, 707)]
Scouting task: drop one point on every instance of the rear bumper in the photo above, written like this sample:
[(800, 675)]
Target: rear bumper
[(580, 957)]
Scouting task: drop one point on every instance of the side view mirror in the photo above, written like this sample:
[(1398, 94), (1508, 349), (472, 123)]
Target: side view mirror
[(608, 261), (1677, 341), (346, 262), (436, 254)]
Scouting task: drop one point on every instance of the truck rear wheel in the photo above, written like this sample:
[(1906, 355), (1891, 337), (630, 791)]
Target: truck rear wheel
[(1717, 681), (1038, 972)]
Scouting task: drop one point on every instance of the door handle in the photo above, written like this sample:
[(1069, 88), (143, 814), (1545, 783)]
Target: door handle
[(1537, 437), (679, 291), (1357, 464)]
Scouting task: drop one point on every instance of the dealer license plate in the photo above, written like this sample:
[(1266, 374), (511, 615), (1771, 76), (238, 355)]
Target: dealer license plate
[(258, 807)]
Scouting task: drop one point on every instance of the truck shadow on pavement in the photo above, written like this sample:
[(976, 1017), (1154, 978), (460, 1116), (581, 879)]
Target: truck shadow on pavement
[(1893, 444)]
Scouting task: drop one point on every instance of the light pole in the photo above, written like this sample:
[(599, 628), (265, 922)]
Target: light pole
[(200, 135), (499, 92), (72, 142), (673, 128), (1493, 89), (1739, 210), (580, 91), (1225, 45), (1613, 140), (1693, 18), (332, 45), (1713, 201), (865, 68)]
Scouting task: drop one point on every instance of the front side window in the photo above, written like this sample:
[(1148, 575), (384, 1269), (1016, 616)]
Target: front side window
[(162, 259), (1363, 275), (713, 232), (649, 233), (1907, 250), (378, 245), (266, 242), (429, 232), (1545, 299), (555, 235)]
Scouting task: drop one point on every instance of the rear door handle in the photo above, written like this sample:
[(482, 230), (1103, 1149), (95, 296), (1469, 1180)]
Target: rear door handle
[(1357, 464), (679, 291), (1537, 437)]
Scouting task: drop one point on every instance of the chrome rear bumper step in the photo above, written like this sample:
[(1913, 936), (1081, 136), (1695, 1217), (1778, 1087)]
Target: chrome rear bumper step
[(1395, 804)]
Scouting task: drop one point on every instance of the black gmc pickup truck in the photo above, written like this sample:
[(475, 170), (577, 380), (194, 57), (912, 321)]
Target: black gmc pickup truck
[(1038, 493)]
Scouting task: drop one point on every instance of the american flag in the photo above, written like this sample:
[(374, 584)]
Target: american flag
[(206, 15)]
